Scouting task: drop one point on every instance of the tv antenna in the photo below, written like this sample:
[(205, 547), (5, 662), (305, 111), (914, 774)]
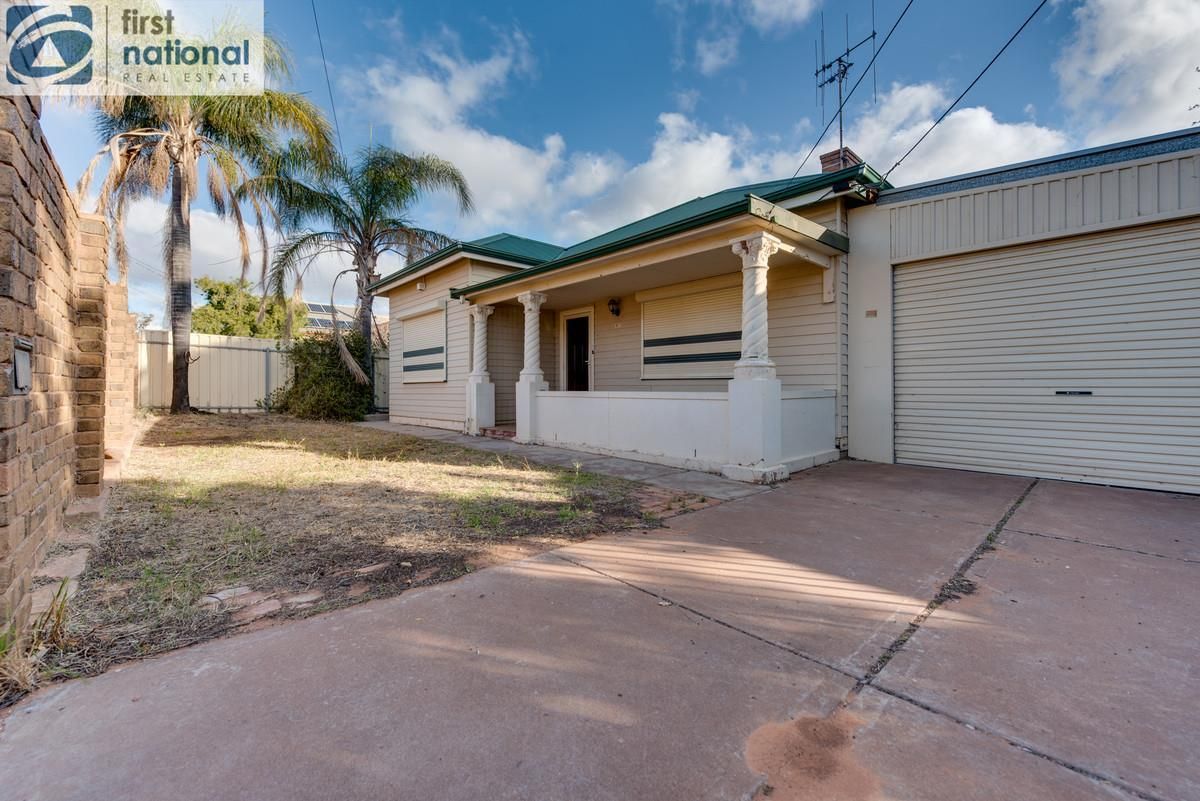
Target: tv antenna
[(836, 70)]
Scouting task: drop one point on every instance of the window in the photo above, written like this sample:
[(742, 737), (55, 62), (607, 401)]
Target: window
[(695, 335), (423, 341)]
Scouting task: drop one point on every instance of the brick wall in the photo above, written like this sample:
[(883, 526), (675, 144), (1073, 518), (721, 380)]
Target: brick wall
[(54, 294), (121, 372)]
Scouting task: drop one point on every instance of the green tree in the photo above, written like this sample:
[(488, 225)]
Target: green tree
[(231, 309), (157, 145), (360, 208)]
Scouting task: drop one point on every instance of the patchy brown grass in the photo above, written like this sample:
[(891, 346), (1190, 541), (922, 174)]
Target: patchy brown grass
[(293, 511)]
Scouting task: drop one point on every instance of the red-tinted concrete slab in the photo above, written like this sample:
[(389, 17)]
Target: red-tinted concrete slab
[(836, 581), (932, 491), (1141, 520), (921, 756), (538, 680), (1086, 653)]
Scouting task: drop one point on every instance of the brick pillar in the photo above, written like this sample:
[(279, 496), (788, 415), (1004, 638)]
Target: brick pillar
[(91, 335), (120, 372), (38, 231)]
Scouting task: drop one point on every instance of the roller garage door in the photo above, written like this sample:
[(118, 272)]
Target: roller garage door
[(1076, 359)]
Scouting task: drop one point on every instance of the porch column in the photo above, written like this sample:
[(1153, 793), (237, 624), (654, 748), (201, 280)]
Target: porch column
[(532, 379), (481, 392), (755, 394)]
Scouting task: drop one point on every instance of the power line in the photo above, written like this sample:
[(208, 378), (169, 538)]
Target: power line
[(328, 83), (842, 105), (950, 108)]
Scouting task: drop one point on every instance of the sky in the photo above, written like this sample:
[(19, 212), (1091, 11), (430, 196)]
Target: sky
[(569, 119)]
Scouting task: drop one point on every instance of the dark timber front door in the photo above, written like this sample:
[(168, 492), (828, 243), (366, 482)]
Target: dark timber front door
[(579, 354)]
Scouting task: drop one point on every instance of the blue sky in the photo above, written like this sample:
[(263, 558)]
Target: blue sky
[(571, 118)]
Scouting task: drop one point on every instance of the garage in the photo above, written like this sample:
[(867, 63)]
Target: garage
[(1075, 358)]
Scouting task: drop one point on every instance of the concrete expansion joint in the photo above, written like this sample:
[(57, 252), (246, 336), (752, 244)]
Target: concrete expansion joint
[(711, 619), (952, 588), (1018, 744), (1106, 546)]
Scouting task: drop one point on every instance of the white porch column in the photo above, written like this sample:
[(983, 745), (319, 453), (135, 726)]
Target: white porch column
[(532, 379), (755, 394), (481, 392)]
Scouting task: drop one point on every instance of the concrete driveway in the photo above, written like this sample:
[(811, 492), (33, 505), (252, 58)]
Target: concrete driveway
[(850, 635)]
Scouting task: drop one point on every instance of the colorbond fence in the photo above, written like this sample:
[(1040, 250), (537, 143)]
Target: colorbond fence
[(227, 374)]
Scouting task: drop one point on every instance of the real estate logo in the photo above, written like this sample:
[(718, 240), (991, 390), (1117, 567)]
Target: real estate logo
[(49, 45), (148, 47)]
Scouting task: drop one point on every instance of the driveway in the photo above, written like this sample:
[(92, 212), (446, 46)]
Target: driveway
[(861, 632)]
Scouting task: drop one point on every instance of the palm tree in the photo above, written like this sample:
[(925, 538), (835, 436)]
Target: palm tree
[(156, 144), (361, 209)]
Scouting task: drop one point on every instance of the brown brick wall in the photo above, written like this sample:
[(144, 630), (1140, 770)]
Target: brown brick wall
[(54, 293), (121, 372)]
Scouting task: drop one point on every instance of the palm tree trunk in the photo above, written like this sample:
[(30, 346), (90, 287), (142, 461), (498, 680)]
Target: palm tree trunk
[(366, 317), (179, 254)]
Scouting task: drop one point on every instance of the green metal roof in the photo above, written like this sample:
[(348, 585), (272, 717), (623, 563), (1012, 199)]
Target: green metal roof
[(506, 247), (517, 247), (703, 206), (543, 257), (686, 216)]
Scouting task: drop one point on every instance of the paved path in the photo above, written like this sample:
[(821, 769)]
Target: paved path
[(658, 475), (667, 665)]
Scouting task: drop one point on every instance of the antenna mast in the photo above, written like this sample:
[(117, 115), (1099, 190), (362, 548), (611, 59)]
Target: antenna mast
[(836, 71)]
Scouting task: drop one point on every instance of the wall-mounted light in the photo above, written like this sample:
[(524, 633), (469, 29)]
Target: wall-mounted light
[(420, 286), (614, 306)]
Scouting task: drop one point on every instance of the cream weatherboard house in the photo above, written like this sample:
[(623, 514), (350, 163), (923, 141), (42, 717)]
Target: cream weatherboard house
[(1039, 319)]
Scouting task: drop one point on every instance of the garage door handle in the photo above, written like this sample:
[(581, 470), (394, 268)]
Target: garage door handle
[(1074, 392)]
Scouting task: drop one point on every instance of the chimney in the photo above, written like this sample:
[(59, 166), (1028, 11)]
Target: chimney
[(836, 160)]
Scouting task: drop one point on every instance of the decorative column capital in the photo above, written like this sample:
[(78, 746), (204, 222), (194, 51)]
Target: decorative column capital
[(756, 250), (481, 313), (532, 301)]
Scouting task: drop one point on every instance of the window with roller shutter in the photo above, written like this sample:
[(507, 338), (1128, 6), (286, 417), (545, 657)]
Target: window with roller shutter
[(695, 335), (423, 357)]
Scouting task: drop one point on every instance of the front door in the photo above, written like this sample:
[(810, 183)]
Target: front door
[(579, 353)]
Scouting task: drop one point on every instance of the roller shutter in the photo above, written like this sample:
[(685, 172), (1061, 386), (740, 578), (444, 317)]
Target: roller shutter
[(423, 354), (696, 335), (1077, 359)]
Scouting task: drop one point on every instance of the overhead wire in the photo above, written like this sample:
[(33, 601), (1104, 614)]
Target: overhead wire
[(970, 86)]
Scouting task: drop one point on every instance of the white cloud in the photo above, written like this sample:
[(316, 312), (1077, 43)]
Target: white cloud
[(687, 100), (428, 106), (770, 16), (1129, 70), (968, 139), (686, 160), (716, 53)]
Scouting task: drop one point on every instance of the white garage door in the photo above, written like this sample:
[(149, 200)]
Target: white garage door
[(1077, 359)]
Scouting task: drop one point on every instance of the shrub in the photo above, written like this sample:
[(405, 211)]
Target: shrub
[(321, 388)]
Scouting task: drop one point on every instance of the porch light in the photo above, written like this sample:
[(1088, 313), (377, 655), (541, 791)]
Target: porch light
[(614, 306)]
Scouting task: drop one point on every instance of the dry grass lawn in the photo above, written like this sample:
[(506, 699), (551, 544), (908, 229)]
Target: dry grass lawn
[(292, 518)]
